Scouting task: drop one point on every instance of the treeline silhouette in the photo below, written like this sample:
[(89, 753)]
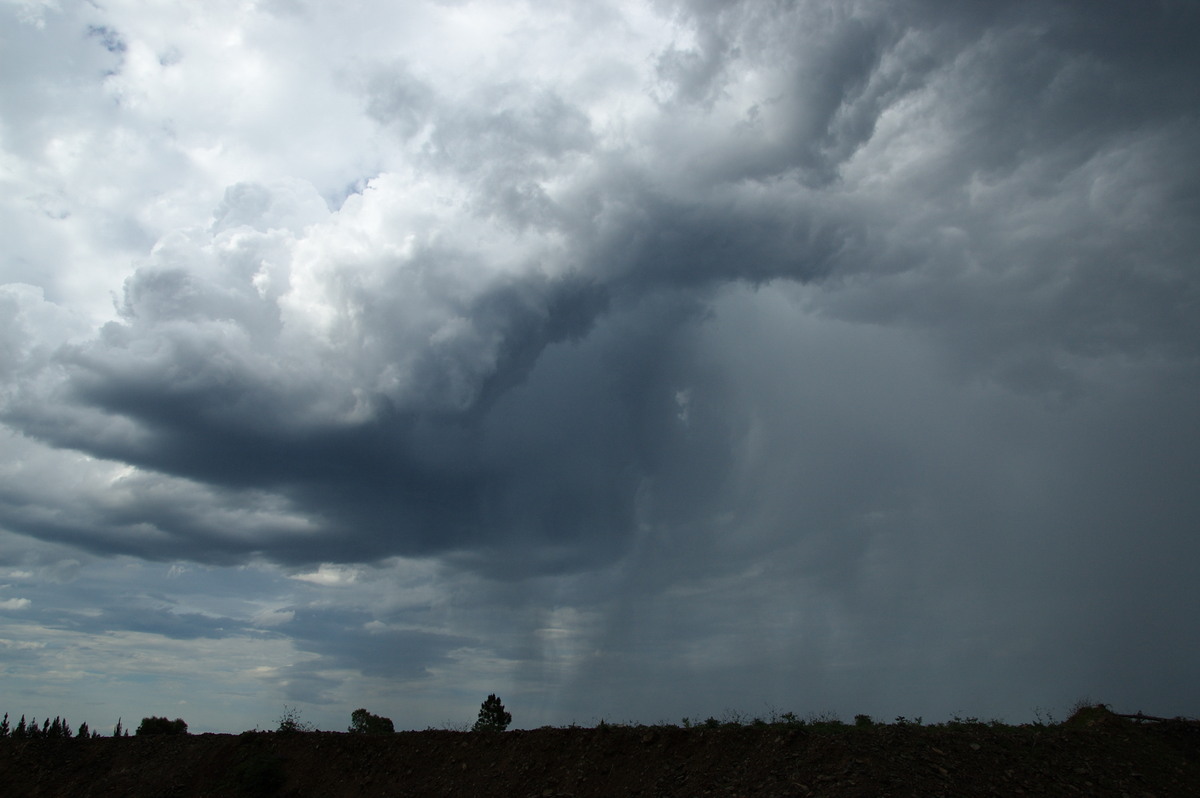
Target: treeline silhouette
[(49, 729), (60, 729), (492, 717)]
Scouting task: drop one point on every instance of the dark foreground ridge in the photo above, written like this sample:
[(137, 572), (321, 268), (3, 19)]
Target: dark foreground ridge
[(1110, 757)]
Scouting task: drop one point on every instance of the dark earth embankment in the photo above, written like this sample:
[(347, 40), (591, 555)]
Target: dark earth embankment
[(1114, 758)]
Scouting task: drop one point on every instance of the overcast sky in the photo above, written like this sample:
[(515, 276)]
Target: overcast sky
[(631, 360)]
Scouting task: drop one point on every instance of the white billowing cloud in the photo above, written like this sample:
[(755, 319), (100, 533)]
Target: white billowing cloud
[(319, 316), (15, 604), (390, 288), (33, 328)]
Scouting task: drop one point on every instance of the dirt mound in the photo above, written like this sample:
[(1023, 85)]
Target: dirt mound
[(1107, 759)]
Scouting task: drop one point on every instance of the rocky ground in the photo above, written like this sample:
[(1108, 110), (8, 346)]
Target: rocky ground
[(1100, 755)]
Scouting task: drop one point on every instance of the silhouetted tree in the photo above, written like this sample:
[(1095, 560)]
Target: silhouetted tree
[(4, 729), (117, 729), (161, 726), (58, 729), (290, 723), (492, 716), (22, 731), (83, 731), (363, 722)]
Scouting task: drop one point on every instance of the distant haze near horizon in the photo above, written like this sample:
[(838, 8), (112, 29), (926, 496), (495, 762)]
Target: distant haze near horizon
[(628, 360)]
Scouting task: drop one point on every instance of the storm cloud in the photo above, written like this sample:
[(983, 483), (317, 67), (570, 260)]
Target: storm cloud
[(659, 348)]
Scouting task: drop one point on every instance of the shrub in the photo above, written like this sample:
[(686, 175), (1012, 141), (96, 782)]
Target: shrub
[(363, 722), (160, 726), (1089, 716), (492, 716), (824, 718), (290, 723)]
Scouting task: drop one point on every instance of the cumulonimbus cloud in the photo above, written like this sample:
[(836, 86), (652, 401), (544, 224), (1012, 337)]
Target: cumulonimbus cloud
[(348, 376)]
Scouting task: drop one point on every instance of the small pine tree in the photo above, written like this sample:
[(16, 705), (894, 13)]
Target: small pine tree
[(4, 729), (117, 728), (492, 716), (83, 732), (22, 731)]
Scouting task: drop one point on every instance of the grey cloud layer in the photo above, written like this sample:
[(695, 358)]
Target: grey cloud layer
[(489, 353)]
